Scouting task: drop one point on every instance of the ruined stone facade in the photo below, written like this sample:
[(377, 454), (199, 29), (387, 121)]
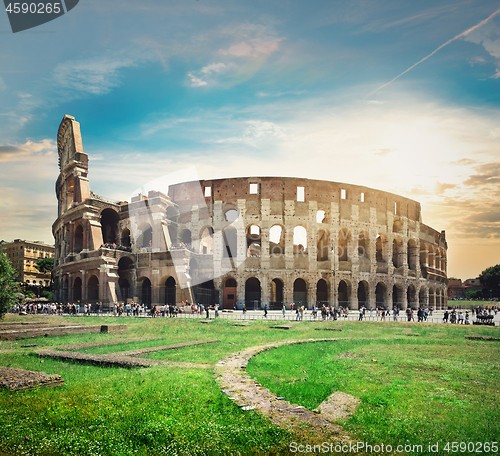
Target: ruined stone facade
[(236, 241)]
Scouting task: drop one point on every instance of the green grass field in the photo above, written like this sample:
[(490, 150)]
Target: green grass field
[(434, 387)]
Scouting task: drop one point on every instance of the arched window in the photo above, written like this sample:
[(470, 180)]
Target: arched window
[(277, 293), (252, 293), (323, 246), (300, 292), (397, 253), (276, 240), (253, 241), (381, 295), (363, 245), (109, 224), (78, 241), (322, 297), (125, 241), (344, 244), (412, 254), (343, 293), (299, 239), (207, 240)]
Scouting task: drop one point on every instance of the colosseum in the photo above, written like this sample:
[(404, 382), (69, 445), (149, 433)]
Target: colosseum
[(250, 241)]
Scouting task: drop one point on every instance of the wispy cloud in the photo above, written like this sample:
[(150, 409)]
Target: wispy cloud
[(95, 75), (460, 35), (206, 72), (256, 47)]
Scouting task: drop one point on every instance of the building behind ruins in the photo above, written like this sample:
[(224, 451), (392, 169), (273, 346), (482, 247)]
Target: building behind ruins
[(24, 255), (236, 241)]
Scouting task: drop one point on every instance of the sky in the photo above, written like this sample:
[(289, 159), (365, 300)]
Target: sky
[(400, 96)]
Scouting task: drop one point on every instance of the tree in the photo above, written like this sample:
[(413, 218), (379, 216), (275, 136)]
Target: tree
[(8, 286), (45, 265), (490, 280), (474, 294)]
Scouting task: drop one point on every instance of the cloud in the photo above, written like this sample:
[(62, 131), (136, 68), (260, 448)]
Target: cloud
[(3, 86), (95, 76), (206, 72), (196, 81), (213, 68), (487, 174), (255, 132), (9, 153), (441, 188), (465, 162), (252, 48)]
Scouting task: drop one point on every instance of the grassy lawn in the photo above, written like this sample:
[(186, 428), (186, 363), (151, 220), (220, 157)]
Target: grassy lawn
[(436, 386)]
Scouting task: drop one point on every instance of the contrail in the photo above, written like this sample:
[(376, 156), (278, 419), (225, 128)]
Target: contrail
[(491, 16)]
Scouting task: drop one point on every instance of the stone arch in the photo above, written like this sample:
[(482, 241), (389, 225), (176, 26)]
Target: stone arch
[(432, 298), (421, 297), (78, 239), (423, 255), (381, 295), (277, 240), (437, 258), (344, 244), (77, 289), (65, 289), (231, 214), (411, 296), (207, 240), (277, 295), (145, 238), (412, 254), (109, 226), (430, 256), (397, 252), (381, 243), (397, 296), (299, 239), (145, 290), (93, 289), (126, 269), (253, 235), (344, 293), (364, 244), (252, 293), (363, 293), (323, 245), (70, 192), (168, 290), (186, 237), (321, 216), (229, 293), (125, 238), (206, 293), (300, 292), (124, 285), (322, 294)]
